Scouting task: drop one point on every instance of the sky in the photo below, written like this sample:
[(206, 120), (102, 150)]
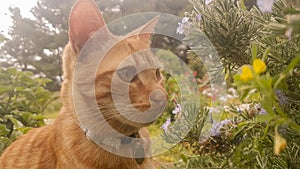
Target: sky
[(5, 20)]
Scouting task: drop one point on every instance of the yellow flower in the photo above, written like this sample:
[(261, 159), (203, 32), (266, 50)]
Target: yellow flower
[(246, 73), (279, 143), (259, 66)]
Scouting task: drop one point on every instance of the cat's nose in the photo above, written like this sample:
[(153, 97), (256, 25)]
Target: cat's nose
[(158, 98)]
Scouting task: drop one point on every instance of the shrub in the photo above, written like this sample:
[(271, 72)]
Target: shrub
[(266, 77), (23, 99)]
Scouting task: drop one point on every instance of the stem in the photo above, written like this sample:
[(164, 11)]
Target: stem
[(266, 130), (10, 96)]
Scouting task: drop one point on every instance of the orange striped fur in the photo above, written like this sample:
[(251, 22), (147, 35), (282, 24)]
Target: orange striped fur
[(63, 144)]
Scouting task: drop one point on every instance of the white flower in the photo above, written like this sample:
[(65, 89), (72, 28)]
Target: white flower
[(208, 1), (185, 20), (183, 25), (166, 124), (265, 5), (177, 109), (233, 92), (257, 106), (179, 29), (223, 98)]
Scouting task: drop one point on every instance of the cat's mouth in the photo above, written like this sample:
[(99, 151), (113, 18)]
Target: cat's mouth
[(131, 117)]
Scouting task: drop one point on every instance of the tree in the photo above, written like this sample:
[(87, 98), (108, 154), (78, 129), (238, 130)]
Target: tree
[(37, 44)]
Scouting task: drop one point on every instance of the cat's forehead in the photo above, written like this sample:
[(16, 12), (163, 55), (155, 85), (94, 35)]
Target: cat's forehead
[(144, 59)]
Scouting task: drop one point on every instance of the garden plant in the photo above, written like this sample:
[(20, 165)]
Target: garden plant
[(254, 123), (259, 47)]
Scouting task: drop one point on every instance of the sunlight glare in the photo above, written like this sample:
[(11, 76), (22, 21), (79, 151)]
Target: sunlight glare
[(5, 19)]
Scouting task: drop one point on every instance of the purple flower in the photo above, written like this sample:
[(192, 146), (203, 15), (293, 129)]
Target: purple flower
[(239, 110), (262, 111), (183, 25), (259, 108), (282, 99), (165, 125), (199, 17), (265, 5), (179, 29), (216, 128)]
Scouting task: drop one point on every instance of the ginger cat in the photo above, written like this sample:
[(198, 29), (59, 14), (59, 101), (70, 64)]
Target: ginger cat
[(65, 144)]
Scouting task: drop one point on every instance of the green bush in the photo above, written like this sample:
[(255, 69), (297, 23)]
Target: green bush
[(261, 56), (23, 99), (229, 28)]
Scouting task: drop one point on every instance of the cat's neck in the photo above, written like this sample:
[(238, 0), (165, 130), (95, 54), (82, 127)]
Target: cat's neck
[(70, 138)]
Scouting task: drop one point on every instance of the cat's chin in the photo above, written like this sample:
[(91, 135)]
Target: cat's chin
[(128, 127), (143, 119), (133, 118), (134, 124)]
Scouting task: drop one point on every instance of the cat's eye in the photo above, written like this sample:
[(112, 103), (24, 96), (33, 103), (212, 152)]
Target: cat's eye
[(158, 74), (127, 73)]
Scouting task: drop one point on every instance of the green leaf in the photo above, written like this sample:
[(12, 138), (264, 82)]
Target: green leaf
[(264, 118), (281, 82), (4, 141), (267, 104), (293, 64), (4, 89), (13, 120), (254, 51), (264, 84), (12, 71), (28, 74), (266, 53), (184, 158), (24, 130), (3, 130), (241, 127), (26, 116), (242, 5), (39, 117)]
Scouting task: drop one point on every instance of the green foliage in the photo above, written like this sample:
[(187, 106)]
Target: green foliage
[(281, 38), (229, 28), (266, 134), (23, 99)]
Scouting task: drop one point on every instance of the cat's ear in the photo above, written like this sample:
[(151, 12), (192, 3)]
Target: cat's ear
[(85, 19), (144, 32)]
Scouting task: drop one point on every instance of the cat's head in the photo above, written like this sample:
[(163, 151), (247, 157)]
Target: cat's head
[(128, 81)]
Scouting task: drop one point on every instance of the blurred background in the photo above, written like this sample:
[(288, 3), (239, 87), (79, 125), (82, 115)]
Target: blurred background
[(259, 123), (33, 33)]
